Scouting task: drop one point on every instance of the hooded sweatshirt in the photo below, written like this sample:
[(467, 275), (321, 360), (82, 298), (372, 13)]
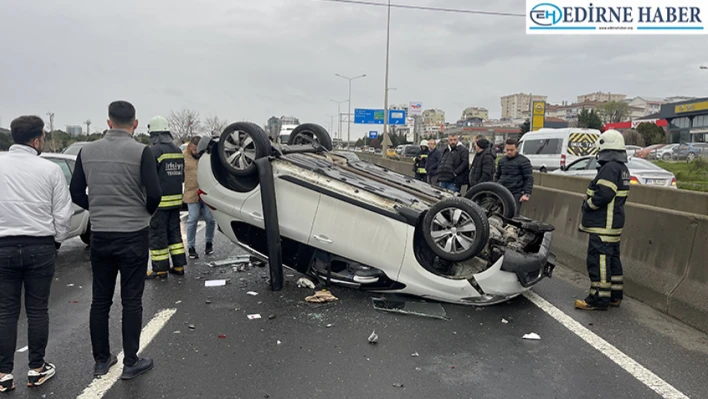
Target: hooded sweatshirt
[(482, 165)]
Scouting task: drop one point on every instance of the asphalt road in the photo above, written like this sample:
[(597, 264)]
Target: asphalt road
[(300, 350)]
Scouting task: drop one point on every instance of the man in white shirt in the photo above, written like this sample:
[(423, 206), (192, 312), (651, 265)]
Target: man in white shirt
[(35, 217)]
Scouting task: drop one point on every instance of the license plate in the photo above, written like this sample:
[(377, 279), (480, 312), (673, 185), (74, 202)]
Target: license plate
[(656, 181)]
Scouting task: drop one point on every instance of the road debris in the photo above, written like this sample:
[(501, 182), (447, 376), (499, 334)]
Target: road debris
[(254, 316), (424, 309), (415, 354), (303, 282), (398, 385), (279, 342), (321, 297), (215, 283), (70, 285), (271, 317), (178, 302), (208, 302), (241, 259), (532, 336), (330, 325), (252, 293), (222, 336), (23, 349), (192, 327), (505, 321), (373, 338), (177, 332)]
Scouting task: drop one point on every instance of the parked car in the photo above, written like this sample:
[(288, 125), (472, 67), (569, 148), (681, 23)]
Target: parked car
[(641, 171), (409, 151), (648, 152), (665, 153), (552, 149), (686, 152), (74, 148), (632, 149), (360, 225), (80, 224)]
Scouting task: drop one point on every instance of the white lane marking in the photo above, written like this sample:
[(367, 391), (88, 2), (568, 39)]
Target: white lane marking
[(651, 380), (100, 386)]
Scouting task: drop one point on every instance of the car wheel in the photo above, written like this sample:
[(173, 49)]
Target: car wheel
[(493, 198), (666, 157), (691, 157), (543, 170), (456, 229), (309, 133), (86, 237), (241, 144)]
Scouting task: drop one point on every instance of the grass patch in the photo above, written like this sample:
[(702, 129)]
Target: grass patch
[(690, 176)]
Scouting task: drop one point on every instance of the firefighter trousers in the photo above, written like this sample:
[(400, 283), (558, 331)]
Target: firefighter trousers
[(605, 270), (166, 241)]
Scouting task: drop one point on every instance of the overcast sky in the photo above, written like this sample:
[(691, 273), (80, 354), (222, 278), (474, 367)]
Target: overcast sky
[(251, 59)]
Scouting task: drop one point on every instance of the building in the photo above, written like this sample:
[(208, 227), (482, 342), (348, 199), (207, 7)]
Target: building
[(475, 112), (601, 97), (569, 112), (646, 105), (555, 123), (677, 99), (518, 105), (470, 122), (687, 120), (74, 130), (433, 118)]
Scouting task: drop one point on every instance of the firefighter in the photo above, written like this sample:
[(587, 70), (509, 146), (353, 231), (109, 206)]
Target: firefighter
[(420, 160), (165, 233), (603, 219)]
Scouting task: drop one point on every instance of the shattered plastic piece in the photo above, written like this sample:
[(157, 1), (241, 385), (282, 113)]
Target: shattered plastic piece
[(178, 302), (70, 285), (230, 261), (505, 321), (532, 335), (425, 309), (192, 327), (303, 282), (398, 385), (177, 332), (74, 302), (415, 354), (279, 342), (321, 296), (330, 325), (24, 349), (418, 369), (373, 338), (222, 336), (208, 302), (215, 283), (271, 317), (252, 293), (254, 316)]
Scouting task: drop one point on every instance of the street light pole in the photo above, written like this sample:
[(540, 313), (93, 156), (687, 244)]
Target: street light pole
[(349, 121), (339, 117), (388, 42)]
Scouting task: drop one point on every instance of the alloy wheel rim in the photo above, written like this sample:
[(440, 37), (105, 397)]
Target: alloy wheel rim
[(453, 230), (240, 150)]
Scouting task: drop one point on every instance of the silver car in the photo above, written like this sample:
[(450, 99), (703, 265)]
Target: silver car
[(642, 171)]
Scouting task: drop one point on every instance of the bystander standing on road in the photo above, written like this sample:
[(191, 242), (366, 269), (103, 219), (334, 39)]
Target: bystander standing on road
[(194, 205), (514, 171), (432, 166), (454, 165), (120, 209), (482, 169), (35, 218), (420, 161)]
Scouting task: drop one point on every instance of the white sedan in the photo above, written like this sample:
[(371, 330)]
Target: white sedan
[(642, 171), (360, 225)]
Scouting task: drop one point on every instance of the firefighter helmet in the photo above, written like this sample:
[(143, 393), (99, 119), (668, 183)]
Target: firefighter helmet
[(158, 124), (611, 140)]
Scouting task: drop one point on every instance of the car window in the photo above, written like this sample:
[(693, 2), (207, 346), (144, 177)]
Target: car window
[(543, 147), (638, 163), (582, 144), (64, 168), (580, 165)]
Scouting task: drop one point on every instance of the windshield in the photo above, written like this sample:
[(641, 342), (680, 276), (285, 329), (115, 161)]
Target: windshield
[(637, 163)]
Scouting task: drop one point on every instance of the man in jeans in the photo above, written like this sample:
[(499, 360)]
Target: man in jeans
[(195, 206), (35, 217), (121, 176), (454, 165)]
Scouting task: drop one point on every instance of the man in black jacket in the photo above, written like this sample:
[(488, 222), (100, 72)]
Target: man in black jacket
[(165, 231), (433, 164), (483, 163), (454, 165), (603, 219), (515, 172)]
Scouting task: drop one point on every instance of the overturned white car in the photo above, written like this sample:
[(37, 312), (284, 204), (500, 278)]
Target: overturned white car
[(353, 223)]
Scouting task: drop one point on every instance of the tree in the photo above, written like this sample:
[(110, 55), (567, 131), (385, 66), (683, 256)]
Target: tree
[(614, 111), (589, 119), (184, 124), (213, 125), (359, 143), (525, 127), (5, 141), (143, 138), (651, 133), (632, 137)]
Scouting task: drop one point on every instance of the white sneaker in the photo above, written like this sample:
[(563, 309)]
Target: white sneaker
[(37, 378), (7, 383)]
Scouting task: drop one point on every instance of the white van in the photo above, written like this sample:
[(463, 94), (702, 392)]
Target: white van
[(550, 149)]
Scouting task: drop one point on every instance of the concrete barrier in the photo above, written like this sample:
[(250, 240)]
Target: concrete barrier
[(664, 244)]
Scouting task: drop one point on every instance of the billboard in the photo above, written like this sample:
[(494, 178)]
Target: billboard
[(538, 117), (415, 108), (376, 116)]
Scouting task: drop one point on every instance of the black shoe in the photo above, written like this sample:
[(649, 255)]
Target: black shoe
[(177, 270), (37, 378), (139, 368), (209, 248), (103, 367), (193, 253), (151, 275)]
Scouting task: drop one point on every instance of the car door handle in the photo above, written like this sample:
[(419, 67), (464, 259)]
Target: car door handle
[(256, 215), (323, 239)]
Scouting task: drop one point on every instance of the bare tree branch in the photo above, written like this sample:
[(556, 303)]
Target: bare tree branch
[(184, 124), (213, 125)]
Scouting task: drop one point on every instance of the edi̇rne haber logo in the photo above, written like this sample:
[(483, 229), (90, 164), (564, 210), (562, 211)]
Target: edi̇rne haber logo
[(617, 17)]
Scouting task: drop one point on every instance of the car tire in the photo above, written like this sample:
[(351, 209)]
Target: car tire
[(86, 237), (666, 157), (493, 198), (308, 133), (244, 142), (440, 226)]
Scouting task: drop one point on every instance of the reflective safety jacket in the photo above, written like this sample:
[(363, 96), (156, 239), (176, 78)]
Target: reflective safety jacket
[(420, 161), (170, 169), (603, 208)]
